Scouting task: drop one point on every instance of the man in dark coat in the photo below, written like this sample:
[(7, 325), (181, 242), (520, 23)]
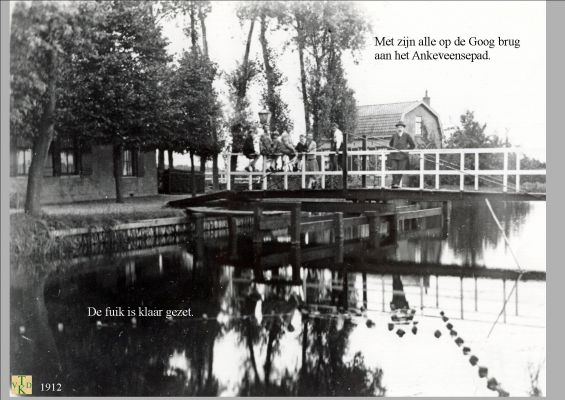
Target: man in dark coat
[(401, 140)]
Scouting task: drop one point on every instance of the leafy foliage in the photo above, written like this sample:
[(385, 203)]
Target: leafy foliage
[(240, 120), (116, 83), (197, 112), (324, 30), (38, 29), (473, 134)]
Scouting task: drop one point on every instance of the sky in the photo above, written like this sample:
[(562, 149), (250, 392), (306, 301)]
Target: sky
[(506, 92)]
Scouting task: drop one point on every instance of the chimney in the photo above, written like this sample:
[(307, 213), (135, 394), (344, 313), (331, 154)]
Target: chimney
[(426, 99)]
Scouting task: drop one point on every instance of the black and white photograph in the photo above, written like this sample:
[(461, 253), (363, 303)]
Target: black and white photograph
[(277, 198)]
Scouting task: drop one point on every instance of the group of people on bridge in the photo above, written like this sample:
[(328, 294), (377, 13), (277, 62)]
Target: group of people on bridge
[(280, 154)]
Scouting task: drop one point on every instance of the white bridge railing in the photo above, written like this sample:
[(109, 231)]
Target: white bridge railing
[(373, 163)]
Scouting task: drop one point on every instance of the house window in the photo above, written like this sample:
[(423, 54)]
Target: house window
[(418, 126), (68, 162), (23, 157), (128, 166)]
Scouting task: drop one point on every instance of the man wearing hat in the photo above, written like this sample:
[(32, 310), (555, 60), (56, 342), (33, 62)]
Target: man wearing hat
[(400, 140)]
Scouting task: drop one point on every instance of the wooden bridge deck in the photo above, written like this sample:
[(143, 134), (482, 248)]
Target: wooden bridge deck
[(329, 196)]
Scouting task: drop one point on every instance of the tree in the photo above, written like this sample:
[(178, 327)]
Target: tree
[(42, 40), (274, 78), (324, 30), (118, 83), (197, 109), (198, 112), (473, 134), (239, 81)]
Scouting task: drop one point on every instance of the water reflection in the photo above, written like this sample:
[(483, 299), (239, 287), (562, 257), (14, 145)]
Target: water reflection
[(273, 320), (474, 230)]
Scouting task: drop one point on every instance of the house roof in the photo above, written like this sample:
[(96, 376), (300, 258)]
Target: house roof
[(380, 119)]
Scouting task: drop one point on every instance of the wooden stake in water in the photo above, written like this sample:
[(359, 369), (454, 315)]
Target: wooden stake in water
[(476, 297), (515, 260), (437, 291), (461, 296), (383, 291)]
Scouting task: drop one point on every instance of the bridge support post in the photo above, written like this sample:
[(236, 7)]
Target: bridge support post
[(374, 240), (446, 217), (339, 233), (393, 226), (257, 217), (232, 227), (257, 265), (198, 219), (295, 262), (199, 231), (295, 228)]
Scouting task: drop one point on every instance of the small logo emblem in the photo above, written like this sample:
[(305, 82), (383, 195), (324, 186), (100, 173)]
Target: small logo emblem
[(21, 385)]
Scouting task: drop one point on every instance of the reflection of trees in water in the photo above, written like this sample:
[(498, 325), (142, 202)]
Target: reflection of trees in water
[(125, 358), (324, 343), (122, 358), (277, 307), (326, 373), (323, 371), (473, 228)]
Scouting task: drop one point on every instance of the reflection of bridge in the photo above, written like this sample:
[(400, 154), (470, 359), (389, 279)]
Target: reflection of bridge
[(432, 163)]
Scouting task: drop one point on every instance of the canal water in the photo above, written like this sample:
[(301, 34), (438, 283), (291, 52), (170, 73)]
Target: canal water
[(328, 318)]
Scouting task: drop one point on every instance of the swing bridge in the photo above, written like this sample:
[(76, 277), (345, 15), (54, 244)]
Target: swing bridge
[(435, 171), (357, 198)]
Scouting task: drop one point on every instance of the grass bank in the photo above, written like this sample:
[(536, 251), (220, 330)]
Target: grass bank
[(30, 238)]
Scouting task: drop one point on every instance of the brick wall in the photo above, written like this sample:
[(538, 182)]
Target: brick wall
[(95, 186)]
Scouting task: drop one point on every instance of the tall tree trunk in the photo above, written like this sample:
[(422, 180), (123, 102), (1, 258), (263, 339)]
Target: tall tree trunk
[(215, 173), (268, 72), (242, 89), (252, 352), (300, 40), (210, 374), (42, 142), (304, 366), (202, 164), (315, 106), (170, 155), (193, 34), (160, 160), (202, 19), (117, 150), (192, 174), (269, 356)]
